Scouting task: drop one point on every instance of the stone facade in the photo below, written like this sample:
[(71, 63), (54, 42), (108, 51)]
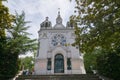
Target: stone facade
[(55, 53)]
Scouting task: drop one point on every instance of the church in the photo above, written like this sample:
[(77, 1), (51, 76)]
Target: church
[(55, 53)]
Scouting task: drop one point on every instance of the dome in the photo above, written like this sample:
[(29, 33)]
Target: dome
[(59, 26), (46, 23)]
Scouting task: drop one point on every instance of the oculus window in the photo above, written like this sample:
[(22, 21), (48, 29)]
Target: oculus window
[(58, 39)]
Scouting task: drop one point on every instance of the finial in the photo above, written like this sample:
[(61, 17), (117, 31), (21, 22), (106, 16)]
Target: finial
[(46, 18), (58, 11)]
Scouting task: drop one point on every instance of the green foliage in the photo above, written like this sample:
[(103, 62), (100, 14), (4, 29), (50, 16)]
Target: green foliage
[(20, 42), (8, 62), (5, 19), (100, 20), (99, 25), (8, 65), (27, 62), (108, 64), (90, 60), (105, 62), (11, 47)]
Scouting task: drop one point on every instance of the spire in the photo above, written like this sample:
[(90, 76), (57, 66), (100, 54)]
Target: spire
[(59, 19), (58, 11)]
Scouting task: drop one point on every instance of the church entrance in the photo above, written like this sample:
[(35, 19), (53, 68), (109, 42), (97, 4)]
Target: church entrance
[(59, 64)]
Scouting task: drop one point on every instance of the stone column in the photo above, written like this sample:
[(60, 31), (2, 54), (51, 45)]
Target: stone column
[(65, 64), (52, 66)]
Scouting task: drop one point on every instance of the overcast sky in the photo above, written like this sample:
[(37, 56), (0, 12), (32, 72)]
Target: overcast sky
[(37, 10)]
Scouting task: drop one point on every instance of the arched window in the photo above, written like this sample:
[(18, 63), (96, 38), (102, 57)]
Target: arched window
[(59, 64)]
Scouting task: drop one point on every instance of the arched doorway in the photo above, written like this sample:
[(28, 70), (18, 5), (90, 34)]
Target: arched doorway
[(59, 64)]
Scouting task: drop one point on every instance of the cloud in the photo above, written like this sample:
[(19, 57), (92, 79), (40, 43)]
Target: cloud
[(37, 10)]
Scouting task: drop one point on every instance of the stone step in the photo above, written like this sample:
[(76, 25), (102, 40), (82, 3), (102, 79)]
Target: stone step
[(59, 77)]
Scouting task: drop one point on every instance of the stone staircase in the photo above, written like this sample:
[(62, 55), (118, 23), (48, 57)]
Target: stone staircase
[(59, 77)]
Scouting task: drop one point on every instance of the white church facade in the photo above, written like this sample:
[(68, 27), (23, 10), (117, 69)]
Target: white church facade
[(55, 54)]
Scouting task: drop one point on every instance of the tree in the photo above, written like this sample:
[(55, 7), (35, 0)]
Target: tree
[(5, 19), (100, 20), (90, 60), (27, 62), (18, 43), (108, 64), (5, 23)]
